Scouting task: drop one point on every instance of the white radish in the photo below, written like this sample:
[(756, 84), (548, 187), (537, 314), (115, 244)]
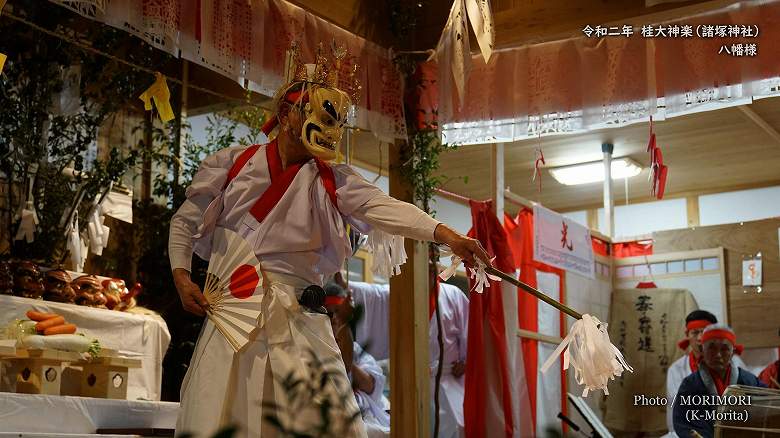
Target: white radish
[(76, 343)]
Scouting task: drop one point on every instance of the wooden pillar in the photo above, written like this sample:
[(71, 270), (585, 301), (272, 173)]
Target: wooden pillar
[(692, 204), (409, 357), (146, 166), (181, 133), (609, 204), (497, 175)]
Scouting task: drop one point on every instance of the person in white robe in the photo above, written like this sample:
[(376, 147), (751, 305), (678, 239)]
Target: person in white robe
[(373, 332), (370, 397), (292, 207), (454, 308)]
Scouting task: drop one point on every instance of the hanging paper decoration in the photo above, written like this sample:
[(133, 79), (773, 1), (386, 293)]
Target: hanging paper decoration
[(98, 232), (481, 19), (658, 169), (29, 222), (161, 95), (76, 245), (27, 215), (453, 50), (537, 165)]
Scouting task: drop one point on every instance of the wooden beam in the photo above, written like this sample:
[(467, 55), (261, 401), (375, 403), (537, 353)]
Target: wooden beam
[(682, 194), (528, 334), (760, 122), (692, 207), (409, 356)]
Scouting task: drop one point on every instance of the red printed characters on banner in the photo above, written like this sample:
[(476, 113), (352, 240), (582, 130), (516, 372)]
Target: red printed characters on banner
[(565, 241), (658, 170)]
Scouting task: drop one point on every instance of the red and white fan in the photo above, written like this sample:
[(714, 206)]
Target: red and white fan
[(234, 287)]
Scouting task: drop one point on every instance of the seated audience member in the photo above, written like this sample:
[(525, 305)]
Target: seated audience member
[(716, 372), (372, 331), (770, 375), (366, 375), (695, 323)]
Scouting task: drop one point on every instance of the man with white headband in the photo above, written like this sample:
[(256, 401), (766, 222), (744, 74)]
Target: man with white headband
[(698, 392), (293, 207)]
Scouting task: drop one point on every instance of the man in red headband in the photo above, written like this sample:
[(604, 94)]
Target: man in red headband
[(697, 397), (695, 323)]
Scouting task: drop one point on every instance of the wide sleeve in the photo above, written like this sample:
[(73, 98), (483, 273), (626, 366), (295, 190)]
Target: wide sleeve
[(384, 219), (206, 185), (365, 202)]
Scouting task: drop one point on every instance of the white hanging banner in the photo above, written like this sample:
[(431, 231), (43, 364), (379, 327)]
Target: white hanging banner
[(562, 243)]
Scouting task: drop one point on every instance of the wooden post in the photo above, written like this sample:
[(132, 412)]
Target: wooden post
[(181, 133), (497, 174), (409, 357), (692, 204), (609, 204), (146, 166)]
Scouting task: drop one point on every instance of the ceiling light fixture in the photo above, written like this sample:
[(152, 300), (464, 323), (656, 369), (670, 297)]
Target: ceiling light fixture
[(586, 173)]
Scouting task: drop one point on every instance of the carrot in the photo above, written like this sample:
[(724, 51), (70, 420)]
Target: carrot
[(40, 316), (63, 329), (51, 322)]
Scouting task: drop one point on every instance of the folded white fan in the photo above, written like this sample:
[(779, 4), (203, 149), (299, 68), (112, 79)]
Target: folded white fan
[(234, 287)]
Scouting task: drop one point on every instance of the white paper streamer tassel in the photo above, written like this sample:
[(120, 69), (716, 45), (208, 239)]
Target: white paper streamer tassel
[(481, 278), (589, 351), (388, 251)]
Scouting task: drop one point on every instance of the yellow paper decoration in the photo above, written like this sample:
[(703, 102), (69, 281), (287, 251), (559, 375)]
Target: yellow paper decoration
[(162, 98), (2, 61)]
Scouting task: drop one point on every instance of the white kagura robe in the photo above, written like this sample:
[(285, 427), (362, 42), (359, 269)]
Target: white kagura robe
[(373, 333), (373, 407), (301, 241)]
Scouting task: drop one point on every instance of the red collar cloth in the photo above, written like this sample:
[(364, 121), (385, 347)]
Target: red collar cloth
[(722, 384), (694, 364), (281, 179)]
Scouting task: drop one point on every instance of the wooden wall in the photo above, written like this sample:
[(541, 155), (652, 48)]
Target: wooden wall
[(754, 317)]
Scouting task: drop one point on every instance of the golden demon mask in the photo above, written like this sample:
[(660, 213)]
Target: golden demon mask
[(325, 115), (314, 90)]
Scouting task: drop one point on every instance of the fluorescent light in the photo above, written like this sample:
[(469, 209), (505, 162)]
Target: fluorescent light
[(586, 173)]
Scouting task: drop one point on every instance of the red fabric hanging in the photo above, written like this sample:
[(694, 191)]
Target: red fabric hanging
[(631, 249), (488, 333), (600, 247), (521, 235)]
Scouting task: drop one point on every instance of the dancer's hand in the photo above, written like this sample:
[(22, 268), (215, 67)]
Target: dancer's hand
[(458, 368), (464, 247), (191, 297)]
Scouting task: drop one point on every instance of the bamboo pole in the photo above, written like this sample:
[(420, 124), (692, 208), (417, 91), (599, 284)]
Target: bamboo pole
[(535, 292)]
